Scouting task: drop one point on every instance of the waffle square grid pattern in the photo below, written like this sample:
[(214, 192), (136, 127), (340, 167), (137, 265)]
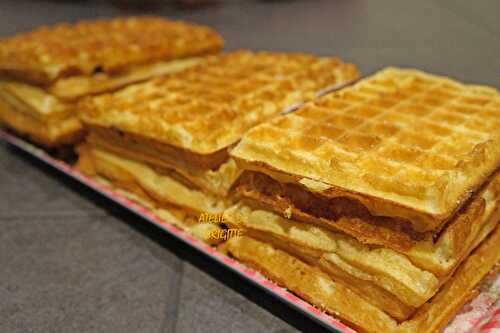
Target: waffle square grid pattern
[(108, 45), (413, 138), (210, 106)]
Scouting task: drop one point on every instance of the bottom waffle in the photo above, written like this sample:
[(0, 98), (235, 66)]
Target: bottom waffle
[(163, 189), (46, 133), (339, 299), (170, 214)]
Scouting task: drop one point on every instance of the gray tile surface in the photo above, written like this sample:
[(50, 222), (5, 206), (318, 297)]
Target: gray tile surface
[(81, 274), (27, 190), (204, 298), (71, 261)]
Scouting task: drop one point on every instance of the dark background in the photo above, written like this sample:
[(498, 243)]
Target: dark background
[(460, 38), (70, 261)]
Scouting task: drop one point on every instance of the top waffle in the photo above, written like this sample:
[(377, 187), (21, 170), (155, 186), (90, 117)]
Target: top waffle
[(207, 108), (108, 45), (403, 143)]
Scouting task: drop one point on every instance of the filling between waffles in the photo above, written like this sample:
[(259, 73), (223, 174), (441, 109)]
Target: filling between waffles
[(214, 173), (343, 214)]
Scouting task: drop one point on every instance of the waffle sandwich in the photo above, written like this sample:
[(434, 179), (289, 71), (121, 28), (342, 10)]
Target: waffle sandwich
[(43, 73), (169, 137), (386, 192)]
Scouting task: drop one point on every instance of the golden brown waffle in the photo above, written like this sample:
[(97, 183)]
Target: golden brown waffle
[(103, 45), (349, 305), (412, 276), (402, 143), (207, 108)]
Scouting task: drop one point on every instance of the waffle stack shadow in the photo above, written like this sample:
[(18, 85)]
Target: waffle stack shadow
[(378, 203), (165, 142), (43, 73)]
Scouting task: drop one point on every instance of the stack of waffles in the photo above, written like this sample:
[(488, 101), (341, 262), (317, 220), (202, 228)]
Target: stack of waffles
[(44, 72), (378, 203), (165, 142)]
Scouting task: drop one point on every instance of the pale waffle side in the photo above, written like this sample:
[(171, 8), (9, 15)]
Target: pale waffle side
[(31, 112), (354, 307), (169, 214), (164, 189), (75, 87), (103, 45), (208, 107), (35, 102), (403, 143)]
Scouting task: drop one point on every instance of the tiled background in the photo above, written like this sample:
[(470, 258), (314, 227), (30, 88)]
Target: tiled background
[(71, 261)]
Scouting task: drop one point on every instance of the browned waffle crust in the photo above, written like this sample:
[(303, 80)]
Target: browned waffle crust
[(104, 45)]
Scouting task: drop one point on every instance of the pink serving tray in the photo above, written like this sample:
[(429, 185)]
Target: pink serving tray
[(249, 274)]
